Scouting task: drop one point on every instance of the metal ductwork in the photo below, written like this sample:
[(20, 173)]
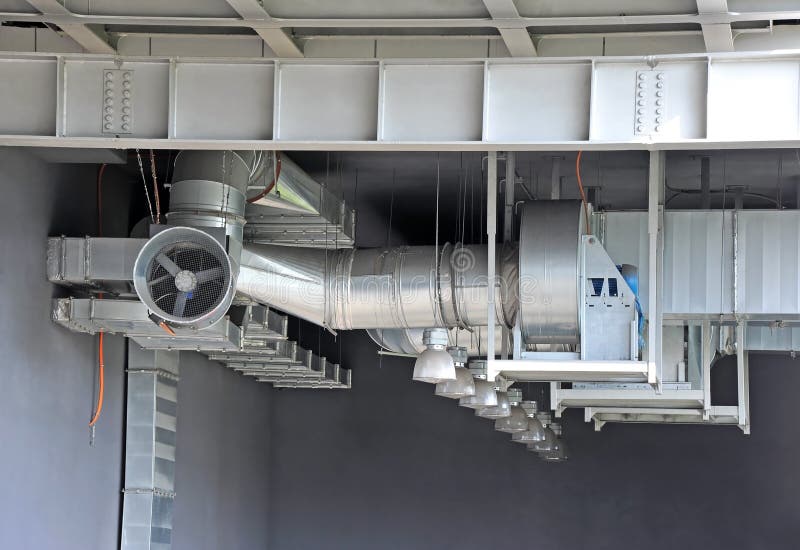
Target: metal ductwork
[(403, 287), (186, 272)]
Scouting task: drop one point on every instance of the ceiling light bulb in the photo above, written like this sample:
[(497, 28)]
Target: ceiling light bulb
[(501, 410), (463, 385), (434, 365)]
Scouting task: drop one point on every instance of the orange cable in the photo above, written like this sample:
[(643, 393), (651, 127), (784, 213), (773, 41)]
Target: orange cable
[(155, 186), (101, 379), (580, 188), (100, 354)]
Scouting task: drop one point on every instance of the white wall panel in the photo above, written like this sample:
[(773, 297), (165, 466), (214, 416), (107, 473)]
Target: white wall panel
[(445, 101), (327, 102), (753, 99), (25, 109), (530, 102), (223, 101)]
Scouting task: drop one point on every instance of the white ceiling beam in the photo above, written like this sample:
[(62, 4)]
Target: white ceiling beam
[(513, 31), (718, 37), (276, 38), (620, 21), (91, 40)]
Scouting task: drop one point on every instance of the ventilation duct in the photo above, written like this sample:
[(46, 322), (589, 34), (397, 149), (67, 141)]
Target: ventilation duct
[(403, 287), (185, 273)]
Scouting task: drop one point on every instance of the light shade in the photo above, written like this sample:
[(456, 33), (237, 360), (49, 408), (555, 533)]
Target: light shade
[(557, 454), (434, 365), (545, 444), (501, 410), (485, 396), (535, 433), (515, 422), (462, 386)]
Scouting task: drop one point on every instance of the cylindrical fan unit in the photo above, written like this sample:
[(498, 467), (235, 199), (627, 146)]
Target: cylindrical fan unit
[(185, 277)]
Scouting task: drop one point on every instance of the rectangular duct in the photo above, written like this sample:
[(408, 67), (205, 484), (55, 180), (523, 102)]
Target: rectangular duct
[(151, 429)]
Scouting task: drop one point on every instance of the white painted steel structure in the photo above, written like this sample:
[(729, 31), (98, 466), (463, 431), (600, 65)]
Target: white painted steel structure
[(726, 100)]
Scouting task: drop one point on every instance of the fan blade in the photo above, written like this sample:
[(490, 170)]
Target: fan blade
[(180, 304), (168, 264), (159, 280), (208, 274)]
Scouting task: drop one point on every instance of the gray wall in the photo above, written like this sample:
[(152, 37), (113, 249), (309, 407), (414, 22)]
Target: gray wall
[(58, 492), (391, 466)]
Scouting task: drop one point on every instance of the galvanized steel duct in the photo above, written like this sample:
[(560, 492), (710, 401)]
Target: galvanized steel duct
[(375, 288)]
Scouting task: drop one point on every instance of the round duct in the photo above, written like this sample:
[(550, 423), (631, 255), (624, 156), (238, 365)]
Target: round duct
[(185, 277), (549, 238)]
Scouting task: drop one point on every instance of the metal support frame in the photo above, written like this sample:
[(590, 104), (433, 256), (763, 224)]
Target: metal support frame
[(742, 378), (718, 37), (90, 39), (713, 100), (276, 38), (491, 236), (655, 227), (512, 29)]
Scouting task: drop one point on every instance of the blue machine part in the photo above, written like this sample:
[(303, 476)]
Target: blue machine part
[(631, 275)]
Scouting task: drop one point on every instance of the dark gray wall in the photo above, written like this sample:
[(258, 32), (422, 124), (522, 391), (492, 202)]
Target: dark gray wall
[(222, 464), (58, 492), (389, 465)]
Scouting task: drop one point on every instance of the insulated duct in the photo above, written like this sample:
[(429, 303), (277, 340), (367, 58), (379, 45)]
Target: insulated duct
[(403, 287)]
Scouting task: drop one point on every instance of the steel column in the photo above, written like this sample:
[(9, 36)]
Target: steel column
[(491, 235), (655, 226)]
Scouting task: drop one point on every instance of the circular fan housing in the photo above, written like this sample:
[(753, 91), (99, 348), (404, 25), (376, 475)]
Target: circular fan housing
[(184, 276)]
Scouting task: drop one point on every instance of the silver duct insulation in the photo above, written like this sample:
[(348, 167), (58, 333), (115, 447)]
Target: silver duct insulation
[(402, 287)]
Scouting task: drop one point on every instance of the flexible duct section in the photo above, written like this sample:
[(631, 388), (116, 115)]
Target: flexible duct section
[(404, 287)]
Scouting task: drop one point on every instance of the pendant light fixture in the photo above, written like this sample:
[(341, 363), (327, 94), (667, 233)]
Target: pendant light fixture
[(535, 431), (517, 420), (501, 410), (545, 444), (558, 451), (463, 385), (434, 365), (485, 394)]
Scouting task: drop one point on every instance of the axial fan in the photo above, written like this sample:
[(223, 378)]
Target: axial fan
[(185, 277)]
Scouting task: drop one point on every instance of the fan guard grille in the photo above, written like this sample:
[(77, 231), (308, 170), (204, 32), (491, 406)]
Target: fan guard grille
[(183, 275)]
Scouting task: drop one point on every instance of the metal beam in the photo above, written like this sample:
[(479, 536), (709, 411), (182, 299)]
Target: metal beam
[(718, 37), (655, 226), (90, 39), (276, 38), (515, 35), (694, 101), (621, 21)]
